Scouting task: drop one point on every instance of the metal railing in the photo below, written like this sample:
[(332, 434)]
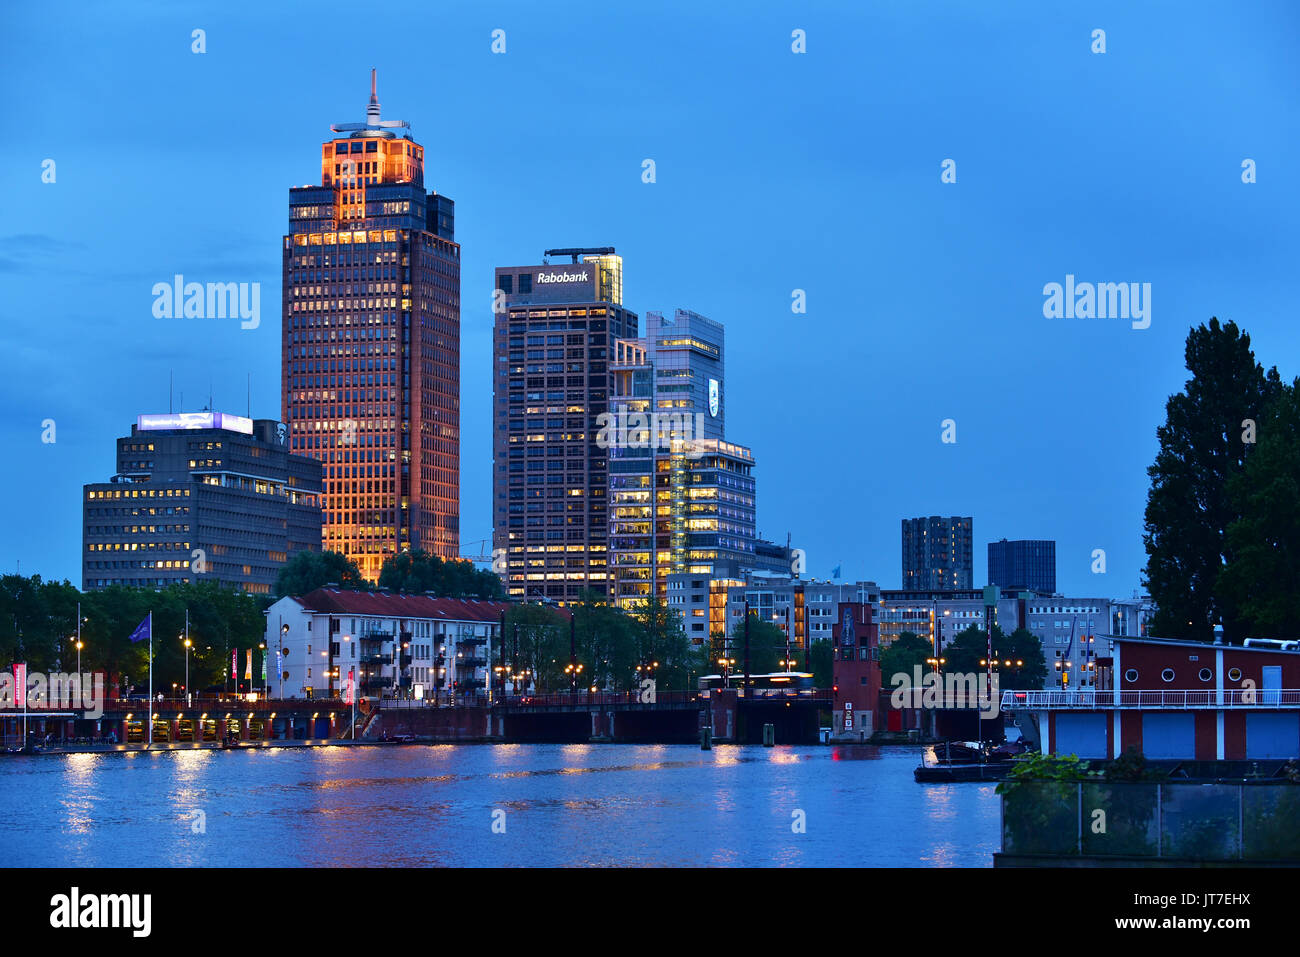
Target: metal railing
[(1099, 699)]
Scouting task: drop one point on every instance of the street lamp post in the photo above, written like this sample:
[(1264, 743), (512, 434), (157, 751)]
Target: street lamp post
[(284, 635)]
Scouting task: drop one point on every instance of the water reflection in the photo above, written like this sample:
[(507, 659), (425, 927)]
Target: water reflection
[(567, 805)]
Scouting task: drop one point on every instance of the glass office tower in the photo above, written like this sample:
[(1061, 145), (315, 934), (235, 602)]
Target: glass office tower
[(371, 344), (683, 503)]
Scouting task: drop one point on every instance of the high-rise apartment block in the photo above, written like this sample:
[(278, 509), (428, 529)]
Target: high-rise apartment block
[(937, 552)]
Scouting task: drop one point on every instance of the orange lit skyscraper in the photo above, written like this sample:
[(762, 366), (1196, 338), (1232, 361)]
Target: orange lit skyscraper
[(370, 363)]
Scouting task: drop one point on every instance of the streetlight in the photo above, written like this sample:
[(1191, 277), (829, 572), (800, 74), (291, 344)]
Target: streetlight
[(187, 643), (573, 670), (284, 637)]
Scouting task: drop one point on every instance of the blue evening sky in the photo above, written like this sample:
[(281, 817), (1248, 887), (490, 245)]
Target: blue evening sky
[(775, 172)]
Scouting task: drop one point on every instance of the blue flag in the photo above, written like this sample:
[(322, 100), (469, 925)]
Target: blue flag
[(835, 572), (142, 632)]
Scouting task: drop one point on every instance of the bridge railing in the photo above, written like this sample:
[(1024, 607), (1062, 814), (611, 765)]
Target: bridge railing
[(215, 703), (1100, 699)]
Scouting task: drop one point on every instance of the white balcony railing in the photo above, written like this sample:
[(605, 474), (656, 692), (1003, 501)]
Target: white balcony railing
[(1101, 700)]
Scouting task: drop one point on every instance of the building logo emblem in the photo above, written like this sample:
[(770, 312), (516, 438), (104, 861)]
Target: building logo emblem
[(715, 397), (544, 278)]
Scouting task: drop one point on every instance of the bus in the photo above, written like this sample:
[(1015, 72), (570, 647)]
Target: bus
[(776, 683)]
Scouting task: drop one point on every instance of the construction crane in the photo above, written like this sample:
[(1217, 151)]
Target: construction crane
[(577, 251), (475, 558)]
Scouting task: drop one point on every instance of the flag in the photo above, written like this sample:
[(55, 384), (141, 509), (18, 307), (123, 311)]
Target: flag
[(248, 666), (234, 665), (835, 572), (350, 691), (264, 657), (141, 632), (20, 686)]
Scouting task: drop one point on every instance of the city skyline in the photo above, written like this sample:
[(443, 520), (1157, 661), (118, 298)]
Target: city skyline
[(1033, 457)]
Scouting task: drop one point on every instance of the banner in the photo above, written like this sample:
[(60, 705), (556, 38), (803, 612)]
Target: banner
[(234, 666), (248, 666), (350, 690), (264, 657), (20, 686)]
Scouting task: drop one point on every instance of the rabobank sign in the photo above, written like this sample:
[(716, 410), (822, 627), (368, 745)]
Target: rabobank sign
[(562, 276)]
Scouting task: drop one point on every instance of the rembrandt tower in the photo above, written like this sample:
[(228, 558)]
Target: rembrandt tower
[(370, 361)]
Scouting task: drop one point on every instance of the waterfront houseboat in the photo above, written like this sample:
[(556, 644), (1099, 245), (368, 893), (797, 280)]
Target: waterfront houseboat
[(1173, 700)]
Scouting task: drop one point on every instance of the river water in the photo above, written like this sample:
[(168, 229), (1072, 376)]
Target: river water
[(492, 805)]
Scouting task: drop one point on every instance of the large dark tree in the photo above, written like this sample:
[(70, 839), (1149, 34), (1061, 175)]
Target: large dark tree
[(903, 654), (537, 641), (306, 571), (662, 643), (607, 643), (418, 571), (1028, 668), (1203, 444), (38, 620), (1262, 583), (766, 646)]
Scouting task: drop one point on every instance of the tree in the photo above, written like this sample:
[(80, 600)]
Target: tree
[(537, 640), (1203, 444), (607, 643), (417, 571), (36, 620), (662, 643), (306, 571), (965, 652), (821, 659), (907, 651), (766, 646), (1262, 580)]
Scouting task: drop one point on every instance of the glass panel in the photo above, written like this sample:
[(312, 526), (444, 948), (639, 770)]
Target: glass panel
[(1040, 817), (1199, 822), (1270, 822), (1120, 820)]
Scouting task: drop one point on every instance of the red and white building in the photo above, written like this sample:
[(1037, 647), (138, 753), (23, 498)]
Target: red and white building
[(394, 645), (1174, 700)]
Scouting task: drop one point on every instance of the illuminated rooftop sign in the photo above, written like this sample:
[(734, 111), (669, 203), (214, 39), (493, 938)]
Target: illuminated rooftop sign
[(194, 420)]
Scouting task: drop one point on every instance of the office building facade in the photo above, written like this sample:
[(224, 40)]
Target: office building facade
[(554, 340), (938, 552), (681, 498), (371, 344), (1028, 564), (201, 496)]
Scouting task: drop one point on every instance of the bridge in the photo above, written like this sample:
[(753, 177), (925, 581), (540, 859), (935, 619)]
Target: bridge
[(664, 717)]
